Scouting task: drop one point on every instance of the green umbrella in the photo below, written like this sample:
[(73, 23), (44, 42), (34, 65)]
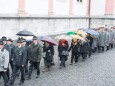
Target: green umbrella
[(71, 33)]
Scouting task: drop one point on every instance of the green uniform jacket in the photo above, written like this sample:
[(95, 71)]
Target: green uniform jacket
[(35, 53)]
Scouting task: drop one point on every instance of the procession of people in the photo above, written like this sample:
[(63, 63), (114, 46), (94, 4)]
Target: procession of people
[(22, 58)]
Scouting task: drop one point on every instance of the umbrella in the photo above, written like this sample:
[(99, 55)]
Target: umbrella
[(49, 40), (25, 33), (92, 32), (62, 37), (70, 33), (41, 37), (76, 37), (81, 32)]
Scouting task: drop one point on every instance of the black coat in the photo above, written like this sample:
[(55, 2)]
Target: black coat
[(48, 53), (27, 50), (61, 49), (90, 39), (74, 48), (84, 47), (20, 56), (35, 53), (12, 47)]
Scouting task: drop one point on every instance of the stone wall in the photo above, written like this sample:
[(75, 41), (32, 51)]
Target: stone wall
[(10, 25)]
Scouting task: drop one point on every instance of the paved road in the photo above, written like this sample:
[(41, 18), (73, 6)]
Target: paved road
[(99, 70)]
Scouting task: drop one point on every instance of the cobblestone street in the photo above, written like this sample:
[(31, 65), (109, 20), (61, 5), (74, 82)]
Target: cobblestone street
[(95, 71)]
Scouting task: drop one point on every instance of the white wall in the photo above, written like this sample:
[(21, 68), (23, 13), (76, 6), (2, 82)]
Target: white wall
[(61, 7), (8, 6), (79, 8), (37, 7), (97, 7)]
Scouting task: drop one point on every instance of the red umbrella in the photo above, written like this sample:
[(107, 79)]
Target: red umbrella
[(49, 40)]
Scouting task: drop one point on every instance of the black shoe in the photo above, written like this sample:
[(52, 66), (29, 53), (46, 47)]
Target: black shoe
[(21, 83), (37, 76), (9, 84), (28, 78), (71, 63), (60, 67), (52, 63), (83, 59)]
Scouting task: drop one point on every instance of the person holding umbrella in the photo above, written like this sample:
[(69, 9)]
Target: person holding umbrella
[(51, 43), (84, 48), (35, 57), (48, 52), (90, 39), (63, 52), (75, 50), (4, 61)]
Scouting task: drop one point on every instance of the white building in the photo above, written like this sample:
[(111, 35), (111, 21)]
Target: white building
[(53, 16)]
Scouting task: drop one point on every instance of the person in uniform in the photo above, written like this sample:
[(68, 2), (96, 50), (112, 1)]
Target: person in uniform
[(12, 46), (20, 57), (4, 61), (35, 57), (27, 50)]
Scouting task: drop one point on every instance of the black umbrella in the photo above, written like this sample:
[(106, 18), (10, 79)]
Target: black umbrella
[(25, 33)]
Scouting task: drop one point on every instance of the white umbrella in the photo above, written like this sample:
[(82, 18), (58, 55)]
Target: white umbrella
[(63, 37)]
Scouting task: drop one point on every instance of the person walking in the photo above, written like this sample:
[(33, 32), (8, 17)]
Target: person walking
[(75, 50), (20, 57), (84, 48), (90, 40), (12, 47), (35, 57), (28, 51), (63, 52), (4, 61), (7, 47), (107, 39), (102, 40), (48, 52)]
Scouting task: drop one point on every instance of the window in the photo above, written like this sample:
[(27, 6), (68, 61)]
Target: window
[(79, 0)]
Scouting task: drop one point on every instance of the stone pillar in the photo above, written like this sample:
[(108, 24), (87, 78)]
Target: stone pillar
[(50, 7), (70, 7), (109, 7), (21, 7), (88, 8)]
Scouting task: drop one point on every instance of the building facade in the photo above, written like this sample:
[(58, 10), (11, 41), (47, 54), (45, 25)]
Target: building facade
[(54, 16)]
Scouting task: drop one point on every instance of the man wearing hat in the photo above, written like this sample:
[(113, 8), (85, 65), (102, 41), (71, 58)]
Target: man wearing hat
[(20, 57), (4, 60), (12, 46), (27, 50), (7, 47), (35, 57)]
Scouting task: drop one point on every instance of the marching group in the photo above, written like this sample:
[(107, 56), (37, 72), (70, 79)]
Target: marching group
[(24, 57)]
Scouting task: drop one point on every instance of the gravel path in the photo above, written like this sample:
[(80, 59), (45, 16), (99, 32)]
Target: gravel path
[(99, 70)]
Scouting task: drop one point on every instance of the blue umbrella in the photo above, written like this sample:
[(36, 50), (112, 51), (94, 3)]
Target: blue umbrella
[(92, 32)]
